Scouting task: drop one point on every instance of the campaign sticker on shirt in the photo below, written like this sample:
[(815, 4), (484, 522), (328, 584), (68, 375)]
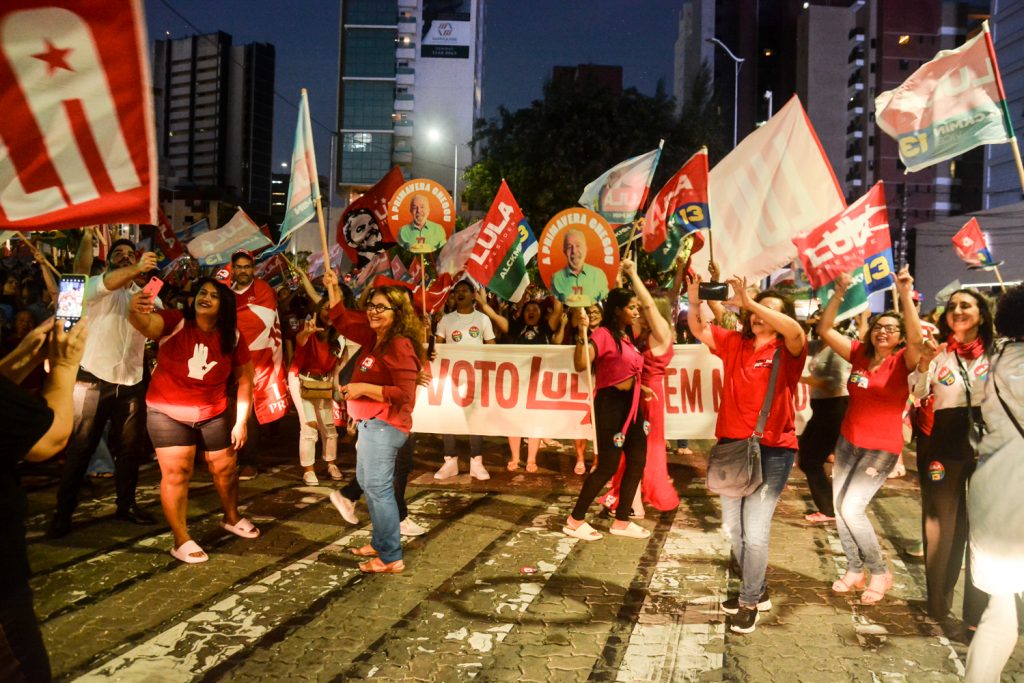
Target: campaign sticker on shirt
[(456, 335), (936, 471), (858, 379), (474, 331), (763, 363), (647, 428), (981, 372), (367, 364), (946, 377), (619, 439)]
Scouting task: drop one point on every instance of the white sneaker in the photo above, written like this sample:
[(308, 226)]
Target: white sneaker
[(346, 508), (309, 478), (449, 469), (477, 469), (407, 527), (333, 471)]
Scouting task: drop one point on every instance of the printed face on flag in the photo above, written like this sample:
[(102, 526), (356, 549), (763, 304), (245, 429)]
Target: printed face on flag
[(578, 257), (76, 135), (363, 229), (426, 214)]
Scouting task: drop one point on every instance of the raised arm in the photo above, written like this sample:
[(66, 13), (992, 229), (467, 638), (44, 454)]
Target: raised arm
[(65, 354), (661, 332), (83, 257), (311, 292), (116, 279), (791, 330), (699, 328), (142, 317), (500, 321), (839, 343), (581, 350), (911, 320)]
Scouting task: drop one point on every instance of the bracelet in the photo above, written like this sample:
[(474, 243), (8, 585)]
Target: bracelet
[(580, 340)]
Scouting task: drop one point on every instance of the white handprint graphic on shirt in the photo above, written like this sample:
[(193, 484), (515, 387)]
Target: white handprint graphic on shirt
[(197, 365)]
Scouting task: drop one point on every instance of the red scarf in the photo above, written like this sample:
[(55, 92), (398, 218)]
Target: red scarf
[(969, 351)]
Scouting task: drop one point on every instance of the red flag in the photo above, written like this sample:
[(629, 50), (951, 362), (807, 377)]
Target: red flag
[(165, 239), (437, 293), (76, 135), (363, 229), (687, 188), (837, 245), (971, 246), (260, 327)]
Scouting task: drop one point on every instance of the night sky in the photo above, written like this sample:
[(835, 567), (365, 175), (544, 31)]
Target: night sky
[(523, 40)]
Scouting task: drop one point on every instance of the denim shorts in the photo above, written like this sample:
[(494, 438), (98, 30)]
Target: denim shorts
[(209, 435)]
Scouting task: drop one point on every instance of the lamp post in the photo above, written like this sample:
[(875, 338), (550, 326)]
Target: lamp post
[(738, 61), (435, 136)]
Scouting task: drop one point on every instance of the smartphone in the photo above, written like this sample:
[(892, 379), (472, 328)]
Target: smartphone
[(71, 299), (713, 291), (153, 286)]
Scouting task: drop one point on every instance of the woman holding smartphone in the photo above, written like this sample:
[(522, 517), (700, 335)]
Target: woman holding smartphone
[(187, 404)]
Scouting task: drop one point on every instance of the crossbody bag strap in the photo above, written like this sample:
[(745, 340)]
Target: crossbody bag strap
[(995, 384), (762, 418), (978, 427)]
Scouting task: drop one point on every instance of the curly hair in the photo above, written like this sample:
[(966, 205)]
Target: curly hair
[(406, 324), (1010, 313), (788, 308), (986, 327)]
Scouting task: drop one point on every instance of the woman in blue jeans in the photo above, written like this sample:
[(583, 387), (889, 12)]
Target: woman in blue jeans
[(380, 399), (769, 325), (871, 436)]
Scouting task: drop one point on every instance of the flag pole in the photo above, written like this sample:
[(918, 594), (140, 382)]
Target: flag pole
[(35, 250), (423, 283), (639, 222), (1007, 122), (590, 385), (1002, 285)]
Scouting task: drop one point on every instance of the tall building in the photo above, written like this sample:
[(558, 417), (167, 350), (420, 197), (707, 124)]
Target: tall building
[(411, 86), (1002, 182), (692, 49), (215, 115)]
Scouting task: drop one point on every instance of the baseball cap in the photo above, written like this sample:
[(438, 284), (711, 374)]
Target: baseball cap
[(242, 252)]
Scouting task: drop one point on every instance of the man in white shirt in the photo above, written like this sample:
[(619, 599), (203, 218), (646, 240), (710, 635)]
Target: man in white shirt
[(468, 326), (109, 389)]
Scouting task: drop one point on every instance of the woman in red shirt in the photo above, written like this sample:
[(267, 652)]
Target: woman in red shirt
[(871, 436), (315, 356), (769, 325), (381, 403), (187, 404)]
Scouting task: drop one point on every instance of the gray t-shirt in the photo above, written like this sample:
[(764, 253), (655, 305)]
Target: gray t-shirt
[(827, 365)]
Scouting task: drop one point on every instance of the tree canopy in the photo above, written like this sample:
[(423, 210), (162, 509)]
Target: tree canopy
[(549, 151)]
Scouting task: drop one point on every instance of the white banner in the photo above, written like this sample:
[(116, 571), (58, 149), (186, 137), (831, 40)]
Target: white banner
[(524, 390)]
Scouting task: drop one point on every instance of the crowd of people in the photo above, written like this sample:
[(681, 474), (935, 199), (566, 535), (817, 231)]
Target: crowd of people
[(181, 372)]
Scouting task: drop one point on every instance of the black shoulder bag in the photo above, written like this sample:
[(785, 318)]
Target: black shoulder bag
[(734, 468)]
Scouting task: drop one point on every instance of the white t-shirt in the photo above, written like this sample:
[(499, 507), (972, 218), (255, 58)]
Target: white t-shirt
[(465, 328), (945, 381), (114, 349)]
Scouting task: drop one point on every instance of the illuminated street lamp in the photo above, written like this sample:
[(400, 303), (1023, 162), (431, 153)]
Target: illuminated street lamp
[(434, 135)]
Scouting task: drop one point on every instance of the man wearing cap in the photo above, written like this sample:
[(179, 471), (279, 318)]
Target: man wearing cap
[(260, 326), (109, 387)]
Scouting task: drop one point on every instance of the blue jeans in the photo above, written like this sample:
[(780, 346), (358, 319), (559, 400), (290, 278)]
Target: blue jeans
[(748, 520), (376, 448), (476, 446), (857, 475)]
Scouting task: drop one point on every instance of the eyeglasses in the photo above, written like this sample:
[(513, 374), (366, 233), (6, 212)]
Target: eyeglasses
[(378, 308), (888, 329)]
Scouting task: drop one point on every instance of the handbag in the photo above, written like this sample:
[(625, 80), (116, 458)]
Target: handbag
[(734, 467), (314, 387)]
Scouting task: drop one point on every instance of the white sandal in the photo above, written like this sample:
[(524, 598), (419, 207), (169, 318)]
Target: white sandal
[(185, 553), (243, 528), (584, 532), (631, 531)]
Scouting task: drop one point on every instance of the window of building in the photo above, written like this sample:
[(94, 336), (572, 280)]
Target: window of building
[(365, 157), (904, 64), (368, 104), (371, 11), (369, 53)]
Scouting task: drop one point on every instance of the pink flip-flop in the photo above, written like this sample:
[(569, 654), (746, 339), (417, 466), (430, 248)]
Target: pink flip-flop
[(243, 528), (186, 553)]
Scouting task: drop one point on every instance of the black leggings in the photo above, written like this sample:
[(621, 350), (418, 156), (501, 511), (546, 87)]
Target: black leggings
[(816, 443), (403, 466), (945, 462), (611, 407)]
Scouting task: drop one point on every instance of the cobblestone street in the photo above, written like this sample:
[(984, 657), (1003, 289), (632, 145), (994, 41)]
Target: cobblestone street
[(494, 591)]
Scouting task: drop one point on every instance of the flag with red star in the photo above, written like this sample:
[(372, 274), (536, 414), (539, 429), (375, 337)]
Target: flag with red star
[(259, 325), (77, 142)]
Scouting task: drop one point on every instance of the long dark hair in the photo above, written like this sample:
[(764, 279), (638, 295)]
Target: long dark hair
[(787, 307), (869, 346), (986, 327), (617, 300), (227, 315)]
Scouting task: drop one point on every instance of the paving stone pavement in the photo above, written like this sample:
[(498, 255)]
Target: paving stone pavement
[(493, 592)]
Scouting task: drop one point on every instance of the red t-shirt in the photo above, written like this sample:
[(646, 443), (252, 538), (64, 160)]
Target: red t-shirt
[(393, 368), (313, 357), (183, 387), (746, 372), (874, 417)]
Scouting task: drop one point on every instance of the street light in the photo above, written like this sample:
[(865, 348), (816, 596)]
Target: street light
[(434, 135), (736, 86)]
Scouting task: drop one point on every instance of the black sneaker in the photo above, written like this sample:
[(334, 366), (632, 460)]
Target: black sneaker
[(60, 526), (745, 620), (732, 605)]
